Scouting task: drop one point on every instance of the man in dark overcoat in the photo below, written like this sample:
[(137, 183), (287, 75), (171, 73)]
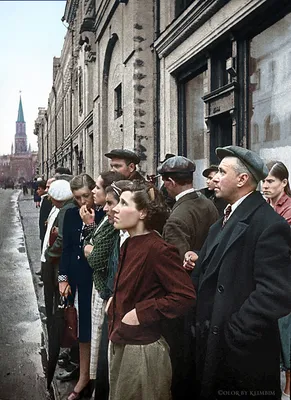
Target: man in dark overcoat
[(243, 283)]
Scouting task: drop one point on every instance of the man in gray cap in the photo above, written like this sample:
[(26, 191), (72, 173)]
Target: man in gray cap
[(125, 161), (243, 284), (186, 228)]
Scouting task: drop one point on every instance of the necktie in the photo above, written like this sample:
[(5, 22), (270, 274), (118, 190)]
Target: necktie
[(227, 211)]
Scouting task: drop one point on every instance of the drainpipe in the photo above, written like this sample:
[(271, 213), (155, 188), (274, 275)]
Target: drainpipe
[(158, 85), (56, 124), (71, 99)]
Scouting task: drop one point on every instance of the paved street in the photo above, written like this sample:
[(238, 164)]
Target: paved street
[(21, 373)]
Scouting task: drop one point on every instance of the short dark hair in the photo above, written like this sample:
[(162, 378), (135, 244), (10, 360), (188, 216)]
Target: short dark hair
[(182, 178), (41, 184), (63, 170), (110, 176)]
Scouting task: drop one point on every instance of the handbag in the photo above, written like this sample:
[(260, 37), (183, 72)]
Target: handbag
[(69, 335)]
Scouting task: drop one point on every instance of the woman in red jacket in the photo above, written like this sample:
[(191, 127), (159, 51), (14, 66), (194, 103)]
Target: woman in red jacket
[(277, 190), (150, 286)]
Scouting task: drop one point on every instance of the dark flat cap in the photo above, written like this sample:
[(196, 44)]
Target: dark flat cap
[(212, 168), (167, 156), (250, 159), (176, 164), (123, 154)]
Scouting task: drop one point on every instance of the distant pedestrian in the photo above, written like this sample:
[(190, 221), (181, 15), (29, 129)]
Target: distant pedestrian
[(36, 196)]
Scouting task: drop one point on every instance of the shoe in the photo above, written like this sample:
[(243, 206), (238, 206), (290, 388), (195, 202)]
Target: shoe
[(86, 392), (66, 376)]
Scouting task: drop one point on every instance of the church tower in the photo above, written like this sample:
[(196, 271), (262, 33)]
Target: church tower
[(20, 136)]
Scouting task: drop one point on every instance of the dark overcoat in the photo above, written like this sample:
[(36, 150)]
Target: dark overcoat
[(243, 280)]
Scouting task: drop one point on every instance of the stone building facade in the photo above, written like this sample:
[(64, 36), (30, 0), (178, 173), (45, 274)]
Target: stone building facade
[(169, 76)]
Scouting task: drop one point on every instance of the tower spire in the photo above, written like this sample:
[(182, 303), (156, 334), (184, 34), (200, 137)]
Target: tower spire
[(20, 117)]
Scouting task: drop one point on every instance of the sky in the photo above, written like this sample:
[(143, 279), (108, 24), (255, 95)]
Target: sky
[(31, 35)]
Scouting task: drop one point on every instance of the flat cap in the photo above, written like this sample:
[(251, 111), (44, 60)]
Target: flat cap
[(250, 159), (123, 154), (60, 190), (176, 164), (212, 168), (167, 156)]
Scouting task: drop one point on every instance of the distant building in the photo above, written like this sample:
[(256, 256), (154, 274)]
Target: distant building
[(20, 165)]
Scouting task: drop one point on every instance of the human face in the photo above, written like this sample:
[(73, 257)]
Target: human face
[(40, 191), (48, 183), (99, 192), (111, 202), (170, 186), (273, 188), (209, 182), (227, 181), (120, 165), (127, 217), (84, 197)]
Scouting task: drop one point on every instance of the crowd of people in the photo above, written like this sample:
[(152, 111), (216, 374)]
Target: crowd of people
[(181, 293)]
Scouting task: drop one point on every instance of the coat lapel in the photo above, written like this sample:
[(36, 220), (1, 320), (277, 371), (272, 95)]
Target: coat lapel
[(224, 239)]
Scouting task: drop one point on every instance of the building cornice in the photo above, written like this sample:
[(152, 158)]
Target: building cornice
[(188, 22)]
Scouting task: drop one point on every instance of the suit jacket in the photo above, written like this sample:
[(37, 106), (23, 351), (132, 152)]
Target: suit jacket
[(243, 280), (189, 222)]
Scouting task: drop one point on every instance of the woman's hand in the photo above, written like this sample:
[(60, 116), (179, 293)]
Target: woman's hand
[(88, 216), (88, 250), (130, 318), (64, 289), (189, 260), (108, 304)]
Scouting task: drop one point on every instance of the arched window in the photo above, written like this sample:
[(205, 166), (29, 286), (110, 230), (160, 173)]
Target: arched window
[(272, 128)]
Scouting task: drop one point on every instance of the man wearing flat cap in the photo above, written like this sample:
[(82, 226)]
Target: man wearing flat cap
[(125, 161), (186, 228), (243, 284), (209, 192)]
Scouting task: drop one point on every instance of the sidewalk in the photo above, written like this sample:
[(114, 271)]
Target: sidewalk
[(29, 218)]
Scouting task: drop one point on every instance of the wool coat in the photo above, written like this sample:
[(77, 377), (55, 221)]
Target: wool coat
[(189, 222), (243, 280)]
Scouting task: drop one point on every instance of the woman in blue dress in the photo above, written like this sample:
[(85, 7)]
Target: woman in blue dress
[(75, 274)]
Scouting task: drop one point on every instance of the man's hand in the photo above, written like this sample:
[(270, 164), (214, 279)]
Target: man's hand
[(88, 250), (130, 318), (189, 260), (88, 216)]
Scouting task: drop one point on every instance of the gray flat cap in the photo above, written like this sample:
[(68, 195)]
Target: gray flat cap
[(250, 159), (123, 154), (176, 164)]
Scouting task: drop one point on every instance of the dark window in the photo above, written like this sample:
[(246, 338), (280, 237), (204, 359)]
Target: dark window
[(181, 5), (118, 101), (219, 75)]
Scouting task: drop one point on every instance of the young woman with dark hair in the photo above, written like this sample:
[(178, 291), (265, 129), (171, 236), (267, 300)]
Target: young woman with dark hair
[(150, 286), (276, 189)]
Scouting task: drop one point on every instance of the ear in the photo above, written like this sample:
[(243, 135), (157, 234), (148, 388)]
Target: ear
[(131, 167), (143, 214), (172, 182), (284, 182), (242, 179)]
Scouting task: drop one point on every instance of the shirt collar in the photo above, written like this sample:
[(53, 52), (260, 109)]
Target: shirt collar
[(184, 193), (235, 205)]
